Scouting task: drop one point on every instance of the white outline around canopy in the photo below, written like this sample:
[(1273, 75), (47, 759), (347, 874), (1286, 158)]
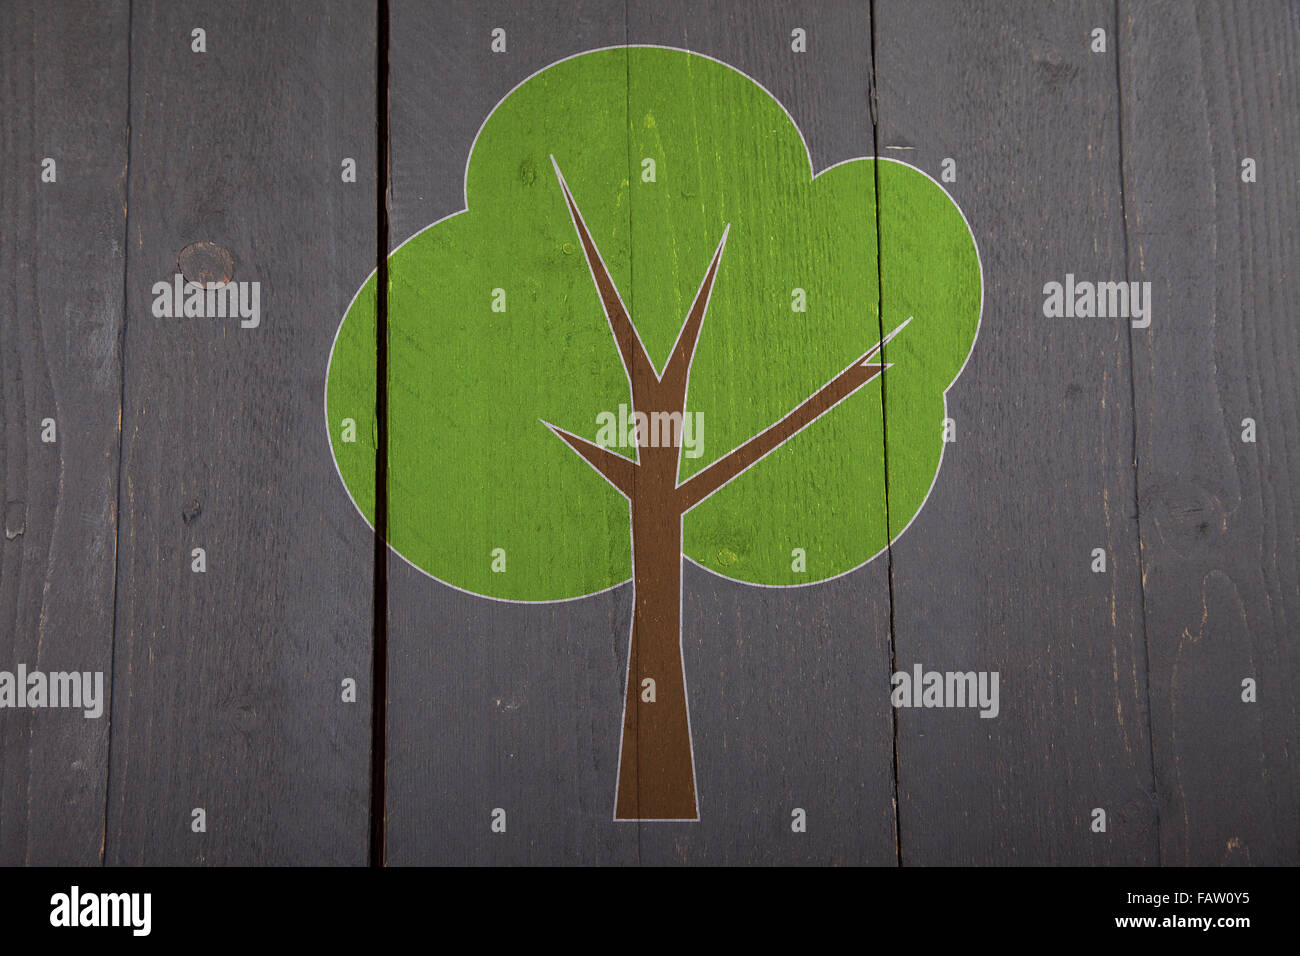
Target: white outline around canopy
[(814, 173)]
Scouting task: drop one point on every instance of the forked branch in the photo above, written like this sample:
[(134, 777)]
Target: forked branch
[(651, 392), (637, 364), (678, 368)]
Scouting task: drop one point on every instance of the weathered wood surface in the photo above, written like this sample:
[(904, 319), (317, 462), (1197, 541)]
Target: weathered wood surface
[(61, 259), (1119, 690), (1205, 86), (518, 707), (779, 677), (227, 683), (492, 704), (994, 574)]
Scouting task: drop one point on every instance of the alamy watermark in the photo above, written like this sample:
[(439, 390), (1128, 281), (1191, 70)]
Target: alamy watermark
[(213, 300), (627, 429), (79, 690), (1102, 300), (75, 908), (922, 688)]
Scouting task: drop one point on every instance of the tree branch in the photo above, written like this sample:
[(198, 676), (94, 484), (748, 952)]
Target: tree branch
[(617, 470), (636, 362), (679, 362), (704, 483)]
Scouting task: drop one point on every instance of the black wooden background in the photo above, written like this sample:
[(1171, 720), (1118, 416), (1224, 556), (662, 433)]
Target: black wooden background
[(1120, 690)]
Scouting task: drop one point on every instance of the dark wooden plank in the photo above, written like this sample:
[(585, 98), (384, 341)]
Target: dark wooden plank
[(516, 706), (227, 683), (61, 251), (491, 704), (994, 574), (1204, 86), (779, 678)]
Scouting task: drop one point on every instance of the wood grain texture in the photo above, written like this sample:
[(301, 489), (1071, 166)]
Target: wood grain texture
[(61, 257), (994, 572), (518, 707), (781, 679), (1205, 85), (492, 704), (227, 684), (1119, 690)]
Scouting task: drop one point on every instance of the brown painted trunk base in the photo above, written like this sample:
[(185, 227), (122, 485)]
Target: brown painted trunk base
[(656, 768)]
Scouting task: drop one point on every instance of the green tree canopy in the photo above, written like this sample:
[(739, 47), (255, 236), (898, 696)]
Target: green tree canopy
[(472, 467)]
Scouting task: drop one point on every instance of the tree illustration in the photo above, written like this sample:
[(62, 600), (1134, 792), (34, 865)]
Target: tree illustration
[(654, 335)]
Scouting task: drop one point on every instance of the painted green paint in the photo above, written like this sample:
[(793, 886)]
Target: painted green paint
[(471, 466)]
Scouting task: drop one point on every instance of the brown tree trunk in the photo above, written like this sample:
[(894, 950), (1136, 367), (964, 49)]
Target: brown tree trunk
[(656, 770)]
